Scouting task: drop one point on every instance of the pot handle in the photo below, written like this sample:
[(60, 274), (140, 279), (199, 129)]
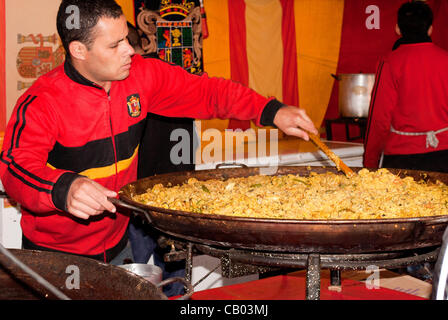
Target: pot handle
[(230, 164), (187, 284), (336, 77), (135, 210)]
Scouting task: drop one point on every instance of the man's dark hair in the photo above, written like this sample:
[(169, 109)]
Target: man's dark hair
[(414, 18), (90, 11), (133, 36)]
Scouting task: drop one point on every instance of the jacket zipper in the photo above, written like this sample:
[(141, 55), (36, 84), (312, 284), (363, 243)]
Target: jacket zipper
[(115, 155), (113, 142)]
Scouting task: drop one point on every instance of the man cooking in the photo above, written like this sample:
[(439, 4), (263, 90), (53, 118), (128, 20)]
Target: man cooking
[(73, 137), (408, 117)]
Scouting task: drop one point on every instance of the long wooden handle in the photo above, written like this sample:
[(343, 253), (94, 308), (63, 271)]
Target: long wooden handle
[(340, 165)]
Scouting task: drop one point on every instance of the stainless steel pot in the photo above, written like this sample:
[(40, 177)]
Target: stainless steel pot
[(354, 94), (149, 272)]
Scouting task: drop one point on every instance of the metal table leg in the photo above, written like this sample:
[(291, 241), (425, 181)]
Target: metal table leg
[(335, 280), (313, 277), (335, 277), (189, 262)]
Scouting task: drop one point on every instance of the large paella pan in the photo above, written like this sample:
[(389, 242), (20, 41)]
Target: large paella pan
[(287, 235)]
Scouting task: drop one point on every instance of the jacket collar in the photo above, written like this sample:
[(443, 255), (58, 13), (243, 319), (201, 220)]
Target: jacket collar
[(410, 39), (74, 75)]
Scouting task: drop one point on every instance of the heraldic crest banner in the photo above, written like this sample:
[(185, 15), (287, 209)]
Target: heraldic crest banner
[(173, 32)]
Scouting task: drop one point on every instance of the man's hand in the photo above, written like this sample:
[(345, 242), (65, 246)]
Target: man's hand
[(87, 198), (294, 122)]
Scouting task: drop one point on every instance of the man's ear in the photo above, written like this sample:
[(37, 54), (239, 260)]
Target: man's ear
[(430, 31), (397, 30), (78, 50)]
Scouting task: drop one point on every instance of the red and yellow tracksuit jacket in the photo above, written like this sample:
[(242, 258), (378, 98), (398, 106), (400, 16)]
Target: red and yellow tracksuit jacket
[(409, 99), (65, 126)]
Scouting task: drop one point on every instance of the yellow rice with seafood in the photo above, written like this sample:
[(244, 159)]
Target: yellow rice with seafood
[(366, 195)]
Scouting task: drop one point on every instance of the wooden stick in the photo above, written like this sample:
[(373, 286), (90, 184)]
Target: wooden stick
[(340, 165)]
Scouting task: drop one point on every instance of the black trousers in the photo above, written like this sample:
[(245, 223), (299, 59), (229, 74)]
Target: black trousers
[(431, 161)]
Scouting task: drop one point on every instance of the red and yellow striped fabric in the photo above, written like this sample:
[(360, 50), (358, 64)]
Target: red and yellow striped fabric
[(281, 48)]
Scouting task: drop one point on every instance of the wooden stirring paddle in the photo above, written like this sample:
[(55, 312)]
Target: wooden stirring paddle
[(340, 165)]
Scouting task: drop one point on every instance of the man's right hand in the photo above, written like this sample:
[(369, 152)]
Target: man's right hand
[(87, 198), (294, 122)]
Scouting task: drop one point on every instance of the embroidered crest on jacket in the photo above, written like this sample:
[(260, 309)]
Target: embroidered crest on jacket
[(134, 108)]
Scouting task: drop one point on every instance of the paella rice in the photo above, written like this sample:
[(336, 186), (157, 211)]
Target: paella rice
[(367, 195)]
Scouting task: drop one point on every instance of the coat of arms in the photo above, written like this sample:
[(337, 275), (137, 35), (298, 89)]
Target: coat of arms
[(174, 33), (134, 108), (34, 61)]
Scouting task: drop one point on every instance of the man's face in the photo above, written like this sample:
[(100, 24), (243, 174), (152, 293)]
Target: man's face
[(109, 57)]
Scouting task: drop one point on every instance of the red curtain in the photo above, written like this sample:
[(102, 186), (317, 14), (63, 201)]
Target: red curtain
[(440, 24), (290, 82), (239, 68), (2, 67)]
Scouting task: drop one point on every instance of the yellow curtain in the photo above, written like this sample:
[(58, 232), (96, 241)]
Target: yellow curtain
[(265, 46), (318, 34), (216, 50), (128, 9)]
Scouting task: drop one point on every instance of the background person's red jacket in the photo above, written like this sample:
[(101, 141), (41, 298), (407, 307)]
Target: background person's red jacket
[(411, 95)]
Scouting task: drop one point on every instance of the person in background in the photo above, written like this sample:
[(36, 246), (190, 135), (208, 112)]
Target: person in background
[(73, 137), (408, 118)]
